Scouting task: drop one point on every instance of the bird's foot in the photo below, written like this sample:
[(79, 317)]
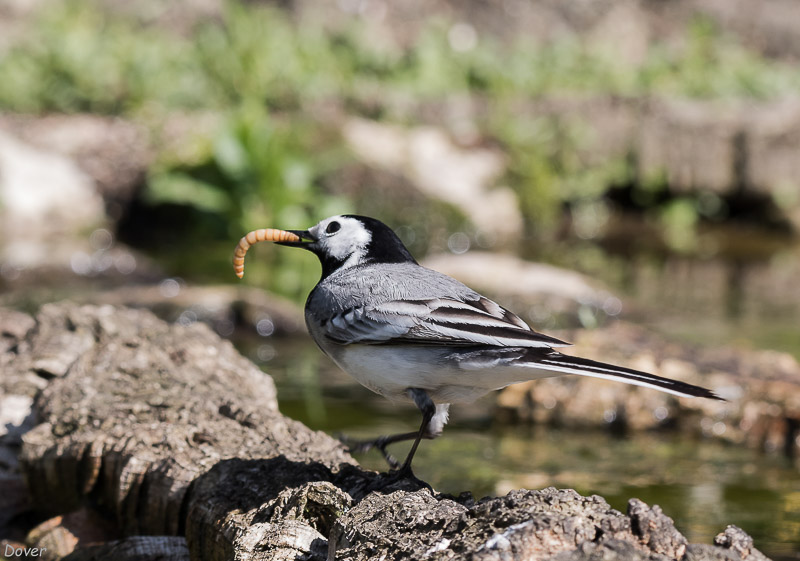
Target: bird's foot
[(355, 446), (405, 474)]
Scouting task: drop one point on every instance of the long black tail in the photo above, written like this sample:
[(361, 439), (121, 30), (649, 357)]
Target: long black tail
[(548, 359)]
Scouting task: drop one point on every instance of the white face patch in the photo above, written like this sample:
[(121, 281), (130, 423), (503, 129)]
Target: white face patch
[(348, 243)]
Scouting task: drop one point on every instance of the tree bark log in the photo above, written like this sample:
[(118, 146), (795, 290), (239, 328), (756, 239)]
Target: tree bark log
[(170, 432)]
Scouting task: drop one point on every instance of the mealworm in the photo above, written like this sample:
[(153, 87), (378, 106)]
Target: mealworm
[(263, 235)]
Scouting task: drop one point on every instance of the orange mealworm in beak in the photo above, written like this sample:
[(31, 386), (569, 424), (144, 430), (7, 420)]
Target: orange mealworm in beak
[(263, 235)]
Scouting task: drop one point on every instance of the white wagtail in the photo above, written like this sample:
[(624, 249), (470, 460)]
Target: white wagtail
[(408, 332)]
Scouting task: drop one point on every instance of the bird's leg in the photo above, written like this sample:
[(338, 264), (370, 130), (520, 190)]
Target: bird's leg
[(380, 444), (428, 408), (358, 446), (426, 405)]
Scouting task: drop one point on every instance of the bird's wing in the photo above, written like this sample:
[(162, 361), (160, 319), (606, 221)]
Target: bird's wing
[(435, 321)]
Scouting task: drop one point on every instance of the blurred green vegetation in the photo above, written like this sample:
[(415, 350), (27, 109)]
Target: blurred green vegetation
[(80, 57), (267, 80)]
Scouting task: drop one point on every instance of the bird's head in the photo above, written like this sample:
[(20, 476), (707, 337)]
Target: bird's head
[(344, 241)]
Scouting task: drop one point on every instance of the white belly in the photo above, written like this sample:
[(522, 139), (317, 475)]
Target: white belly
[(390, 370)]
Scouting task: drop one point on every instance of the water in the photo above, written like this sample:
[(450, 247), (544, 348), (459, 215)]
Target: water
[(702, 484), (736, 289)]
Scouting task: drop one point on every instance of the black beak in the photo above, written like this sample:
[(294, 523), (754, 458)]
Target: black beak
[(306, 239)]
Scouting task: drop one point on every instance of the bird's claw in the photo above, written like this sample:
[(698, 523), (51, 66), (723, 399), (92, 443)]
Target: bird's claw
[(405, 474), (359, 446)]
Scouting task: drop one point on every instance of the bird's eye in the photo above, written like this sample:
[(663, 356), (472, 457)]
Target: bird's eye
[(333, 227)]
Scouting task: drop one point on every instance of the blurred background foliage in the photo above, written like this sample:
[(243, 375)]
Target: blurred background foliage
[(266, 79), (82, 58), (263, 96)]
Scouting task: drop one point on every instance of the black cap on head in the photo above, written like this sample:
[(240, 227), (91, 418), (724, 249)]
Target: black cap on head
[(385, 246)]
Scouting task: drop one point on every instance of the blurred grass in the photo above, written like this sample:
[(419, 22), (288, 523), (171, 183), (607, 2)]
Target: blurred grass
[(80, 57), (265, 77)]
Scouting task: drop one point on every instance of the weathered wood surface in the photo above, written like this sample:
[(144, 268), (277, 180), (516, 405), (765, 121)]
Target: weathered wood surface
[(167, 431), (135, 548)]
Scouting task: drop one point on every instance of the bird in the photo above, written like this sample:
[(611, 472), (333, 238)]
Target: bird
[(407, 332)]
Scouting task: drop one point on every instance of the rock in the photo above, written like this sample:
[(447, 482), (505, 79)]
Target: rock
[(113, 152), (63, 336), (14, 326), (222, 307), (464, 178), (286, 509), (136, 548), (547, 524), (16, 418), (735, 539), (62, 177), (61, 535), (703, 552), (655, 530), (136, 410), (672, 134), (172, 433), (46, 204), (745, 146)]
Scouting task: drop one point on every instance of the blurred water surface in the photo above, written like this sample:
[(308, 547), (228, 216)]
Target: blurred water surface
[(702, 484)]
